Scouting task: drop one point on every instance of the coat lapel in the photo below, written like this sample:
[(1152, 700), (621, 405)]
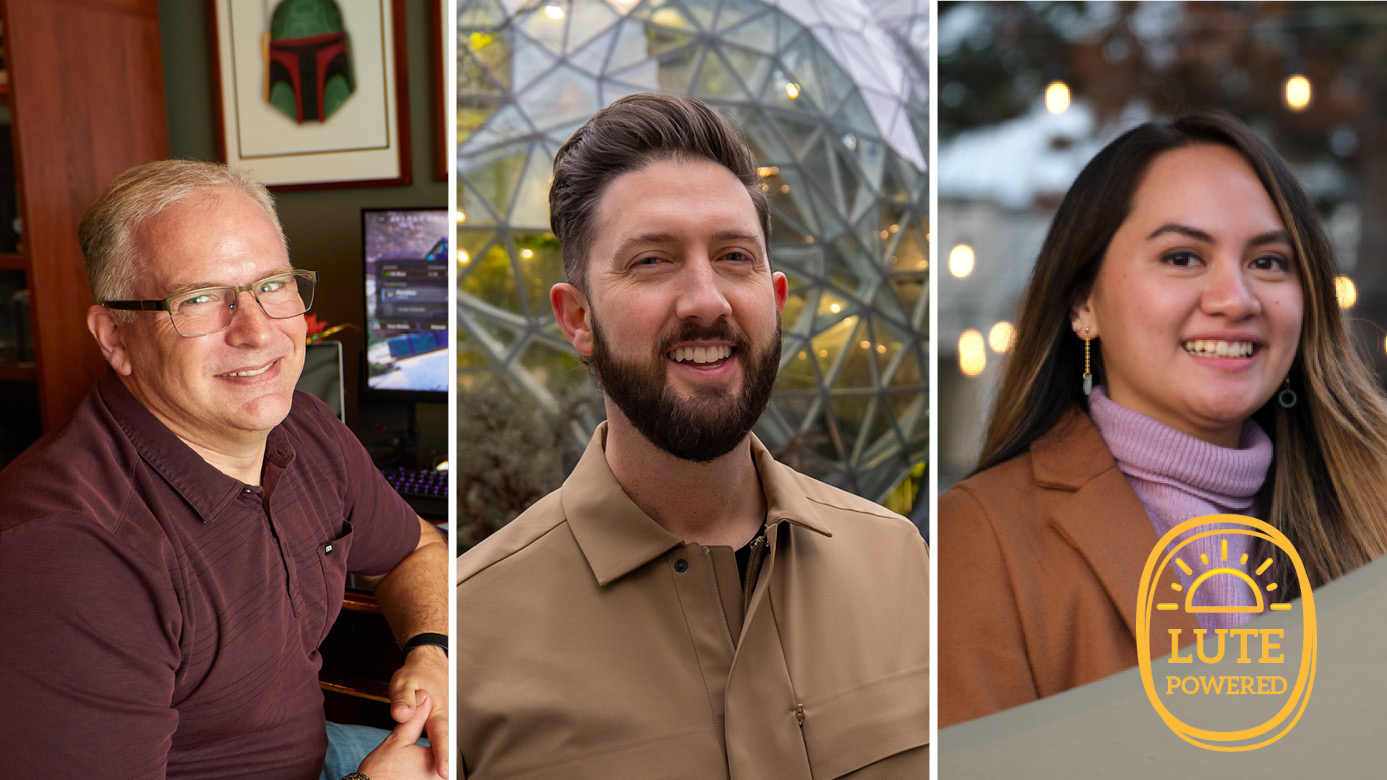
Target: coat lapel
[(1105, 522)]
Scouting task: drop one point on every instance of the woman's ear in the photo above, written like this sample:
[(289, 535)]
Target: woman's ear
[(1082, 319)]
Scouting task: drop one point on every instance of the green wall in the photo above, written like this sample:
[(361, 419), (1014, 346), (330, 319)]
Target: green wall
[(323, 226)]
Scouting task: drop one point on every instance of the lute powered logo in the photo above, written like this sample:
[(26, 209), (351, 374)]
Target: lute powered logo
[(1225, 685)]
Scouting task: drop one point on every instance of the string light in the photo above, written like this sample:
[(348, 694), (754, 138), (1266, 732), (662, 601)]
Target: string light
[(961, 260), (1346, 291), (972, 354), (1057, 97), (1297, 92), (1001, 337)]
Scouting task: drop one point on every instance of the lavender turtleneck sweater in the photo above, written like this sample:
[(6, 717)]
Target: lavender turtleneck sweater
[(1177, 476)]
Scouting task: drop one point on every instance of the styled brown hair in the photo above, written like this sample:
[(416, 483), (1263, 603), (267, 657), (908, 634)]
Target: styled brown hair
[(626, 136), (1327, 486)]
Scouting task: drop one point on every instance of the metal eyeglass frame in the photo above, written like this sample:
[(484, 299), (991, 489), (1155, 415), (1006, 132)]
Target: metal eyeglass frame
[(162, 304)]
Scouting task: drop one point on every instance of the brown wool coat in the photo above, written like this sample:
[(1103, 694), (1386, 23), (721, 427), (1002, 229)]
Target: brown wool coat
[(1040, 561)]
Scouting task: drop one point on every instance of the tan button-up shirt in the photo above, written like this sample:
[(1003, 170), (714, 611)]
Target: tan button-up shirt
[(595, 644)]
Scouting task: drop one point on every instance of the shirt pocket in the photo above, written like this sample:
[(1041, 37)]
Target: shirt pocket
[(332, 564), (875, 721)]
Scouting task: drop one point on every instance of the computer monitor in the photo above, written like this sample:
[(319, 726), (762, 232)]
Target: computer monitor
[(405, 260)]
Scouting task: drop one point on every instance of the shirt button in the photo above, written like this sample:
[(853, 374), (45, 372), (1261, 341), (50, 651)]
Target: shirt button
[(681, 565)]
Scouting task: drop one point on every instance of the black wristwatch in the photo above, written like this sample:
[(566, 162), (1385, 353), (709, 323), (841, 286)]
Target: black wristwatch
[(426, 638)]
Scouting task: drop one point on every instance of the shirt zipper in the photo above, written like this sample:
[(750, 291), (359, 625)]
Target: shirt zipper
[(753, 570)]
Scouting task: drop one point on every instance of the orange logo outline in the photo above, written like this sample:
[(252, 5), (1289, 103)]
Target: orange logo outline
[(1146, 596)]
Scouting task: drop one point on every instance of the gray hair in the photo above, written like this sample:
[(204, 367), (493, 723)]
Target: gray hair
[(109, 228)]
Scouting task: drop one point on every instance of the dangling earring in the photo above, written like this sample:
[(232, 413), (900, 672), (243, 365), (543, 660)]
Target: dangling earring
[(1088, 377), (1287, 397)]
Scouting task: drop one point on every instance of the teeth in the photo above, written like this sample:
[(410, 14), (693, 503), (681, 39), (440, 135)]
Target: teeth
[(1212, 348), (700, 354), (254, 372)]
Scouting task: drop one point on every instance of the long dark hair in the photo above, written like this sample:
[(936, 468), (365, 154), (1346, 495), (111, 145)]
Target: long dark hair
[(1327, 489)]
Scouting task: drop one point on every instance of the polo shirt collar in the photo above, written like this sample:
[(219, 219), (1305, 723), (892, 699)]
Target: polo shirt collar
[(207, 490), (617, 537), (786, 500)]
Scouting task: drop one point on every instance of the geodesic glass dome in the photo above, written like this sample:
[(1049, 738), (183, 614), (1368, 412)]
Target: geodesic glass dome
[(831, 96)]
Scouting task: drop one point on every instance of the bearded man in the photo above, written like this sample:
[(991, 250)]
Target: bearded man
[(684, 606)]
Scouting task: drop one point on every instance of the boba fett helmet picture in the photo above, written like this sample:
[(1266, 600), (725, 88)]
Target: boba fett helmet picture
[(308, 72)]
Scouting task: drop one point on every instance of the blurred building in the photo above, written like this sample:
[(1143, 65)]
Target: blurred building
[(832, 97)]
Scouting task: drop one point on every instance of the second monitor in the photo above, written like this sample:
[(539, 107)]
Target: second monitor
[(405, 254)]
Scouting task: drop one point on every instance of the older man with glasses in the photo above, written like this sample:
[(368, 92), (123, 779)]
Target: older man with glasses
[(172, 557)]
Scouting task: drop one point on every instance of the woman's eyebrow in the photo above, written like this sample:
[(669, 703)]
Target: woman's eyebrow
[(1184, 230), (1270, 237)]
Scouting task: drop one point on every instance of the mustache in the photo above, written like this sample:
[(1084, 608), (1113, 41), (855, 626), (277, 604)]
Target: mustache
[(720, 330)]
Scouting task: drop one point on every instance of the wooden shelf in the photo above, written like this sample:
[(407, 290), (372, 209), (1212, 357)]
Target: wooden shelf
[(10, 262)]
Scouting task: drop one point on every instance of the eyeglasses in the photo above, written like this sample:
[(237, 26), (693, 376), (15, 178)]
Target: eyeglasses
[(210, 309)]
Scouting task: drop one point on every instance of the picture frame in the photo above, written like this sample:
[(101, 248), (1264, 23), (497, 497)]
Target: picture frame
[(361, 140), (444, 23)]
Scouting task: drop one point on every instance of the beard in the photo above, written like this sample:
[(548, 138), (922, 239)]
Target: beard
[(701, 427)]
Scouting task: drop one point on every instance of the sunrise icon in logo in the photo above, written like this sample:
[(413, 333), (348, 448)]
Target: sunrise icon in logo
[(1225, 571)]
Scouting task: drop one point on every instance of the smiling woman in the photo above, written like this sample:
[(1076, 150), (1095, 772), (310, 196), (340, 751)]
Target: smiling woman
[(1194, 273)]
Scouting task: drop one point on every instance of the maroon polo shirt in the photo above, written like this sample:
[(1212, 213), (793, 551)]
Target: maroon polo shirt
[(161, 619)]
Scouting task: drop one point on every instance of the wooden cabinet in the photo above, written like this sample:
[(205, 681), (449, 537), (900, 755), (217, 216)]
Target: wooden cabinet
[(86, 101)]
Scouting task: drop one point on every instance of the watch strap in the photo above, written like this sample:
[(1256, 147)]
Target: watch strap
[(426, 638)]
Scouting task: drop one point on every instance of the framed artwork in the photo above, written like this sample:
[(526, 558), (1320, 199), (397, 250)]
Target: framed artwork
[(312, 94)]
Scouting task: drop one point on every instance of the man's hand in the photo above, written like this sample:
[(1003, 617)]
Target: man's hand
[(397, 757), (423, 678)]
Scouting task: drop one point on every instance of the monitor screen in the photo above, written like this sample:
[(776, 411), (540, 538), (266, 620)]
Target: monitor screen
[(405, 252)]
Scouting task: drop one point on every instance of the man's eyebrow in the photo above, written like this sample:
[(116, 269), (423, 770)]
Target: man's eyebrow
[(190, 286), (625, 247), (642, 239)]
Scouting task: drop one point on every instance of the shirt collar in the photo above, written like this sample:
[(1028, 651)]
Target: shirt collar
[(617, 537), (207, 490)]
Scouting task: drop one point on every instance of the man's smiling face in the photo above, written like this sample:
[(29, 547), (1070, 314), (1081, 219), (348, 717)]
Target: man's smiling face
[(231, 385), (684, 308)]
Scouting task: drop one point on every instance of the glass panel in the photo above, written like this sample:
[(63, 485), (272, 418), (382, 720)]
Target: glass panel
[(800, 373), (757, 34), (850, 414), (492, 279), (490, 183), (715, 80), (531, 208), (586, 20), (541, 266)]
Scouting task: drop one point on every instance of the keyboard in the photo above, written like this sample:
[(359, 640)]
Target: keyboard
[(426, 490)]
